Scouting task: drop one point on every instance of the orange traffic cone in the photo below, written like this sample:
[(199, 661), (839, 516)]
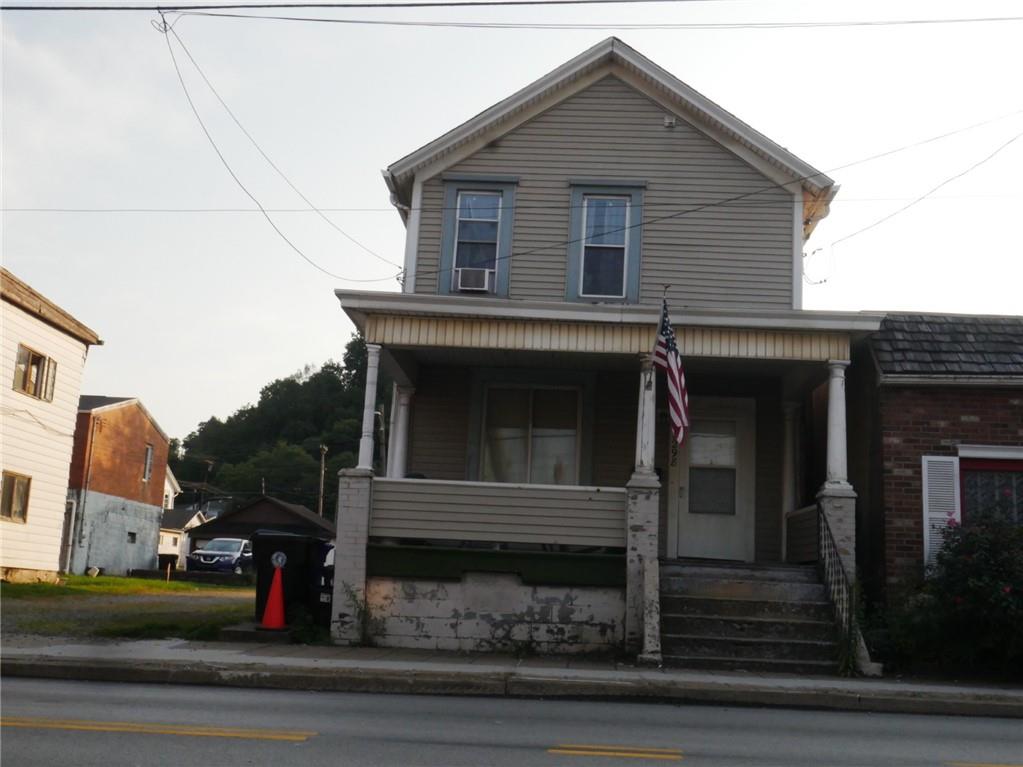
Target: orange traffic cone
[(273, 613)]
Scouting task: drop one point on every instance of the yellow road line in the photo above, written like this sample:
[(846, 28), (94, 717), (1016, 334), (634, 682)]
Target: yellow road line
[(156, 729), (622, 752)]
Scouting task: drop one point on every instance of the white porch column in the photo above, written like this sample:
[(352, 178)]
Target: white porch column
[(389, 470), (788, 472), (642, 597), (838, 473), (645, 417), (399, 443), (369, 407)]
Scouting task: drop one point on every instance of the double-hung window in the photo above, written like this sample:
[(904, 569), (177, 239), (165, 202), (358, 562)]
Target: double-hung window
[(604, 250), (605, 246), (147, 464), (476, 240), (476, 237), (531, 434), (34, 374)]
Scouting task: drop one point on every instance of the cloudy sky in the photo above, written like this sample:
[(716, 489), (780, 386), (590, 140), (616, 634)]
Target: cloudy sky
[(200, 303)]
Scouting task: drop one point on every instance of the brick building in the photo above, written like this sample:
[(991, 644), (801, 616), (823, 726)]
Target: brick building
[(118, 468), (936, 417)]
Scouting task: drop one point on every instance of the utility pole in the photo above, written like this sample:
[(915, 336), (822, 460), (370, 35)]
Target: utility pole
[(323, 469)]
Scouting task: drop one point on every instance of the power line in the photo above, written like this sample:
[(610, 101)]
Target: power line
[(927, 194), (272, 164), (164, 28), (442, 208), (712, 26), (258, 6)]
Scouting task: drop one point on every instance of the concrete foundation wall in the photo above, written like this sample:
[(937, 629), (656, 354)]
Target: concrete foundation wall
[(494, 612), (102, 539)]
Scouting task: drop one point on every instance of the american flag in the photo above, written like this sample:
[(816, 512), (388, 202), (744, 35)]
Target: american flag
[(666, 356)]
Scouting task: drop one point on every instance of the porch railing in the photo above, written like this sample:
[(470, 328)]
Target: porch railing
[(499, 512)]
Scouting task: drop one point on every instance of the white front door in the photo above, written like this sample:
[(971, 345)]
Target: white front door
[(711, 482)]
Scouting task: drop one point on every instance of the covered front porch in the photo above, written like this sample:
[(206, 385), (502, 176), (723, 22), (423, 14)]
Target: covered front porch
[(532, 459)]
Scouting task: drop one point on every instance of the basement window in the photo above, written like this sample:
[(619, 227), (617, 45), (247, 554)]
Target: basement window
[(131, 537)]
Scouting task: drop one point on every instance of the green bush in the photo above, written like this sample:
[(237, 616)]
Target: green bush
[(968, 613)]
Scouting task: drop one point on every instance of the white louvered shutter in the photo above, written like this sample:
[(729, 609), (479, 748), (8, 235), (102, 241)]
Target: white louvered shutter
[(941, 501)]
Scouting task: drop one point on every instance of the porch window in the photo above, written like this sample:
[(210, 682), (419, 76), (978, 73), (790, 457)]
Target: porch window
[(531, 435)]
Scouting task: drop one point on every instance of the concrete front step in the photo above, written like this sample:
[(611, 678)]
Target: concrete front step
[(742, 647), (777, 666), (747, 608), (748, 627), (743, 571), (742, 588)]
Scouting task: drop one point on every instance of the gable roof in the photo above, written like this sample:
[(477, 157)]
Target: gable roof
[(176, 519), (93, 403), (22, 295), (695, 106), (949, 345), (266, 513)]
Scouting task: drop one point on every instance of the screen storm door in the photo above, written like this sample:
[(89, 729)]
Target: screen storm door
[(711, 483)]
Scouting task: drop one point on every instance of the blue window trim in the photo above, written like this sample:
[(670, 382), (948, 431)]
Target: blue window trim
[(506, 188), (634, 193)]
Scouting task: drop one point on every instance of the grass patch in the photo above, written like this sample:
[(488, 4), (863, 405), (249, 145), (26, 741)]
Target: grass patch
[(196, 627), (106, 585)]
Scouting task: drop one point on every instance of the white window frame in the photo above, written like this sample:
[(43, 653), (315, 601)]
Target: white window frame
[(625, 245), (529, 432), (458, 228)]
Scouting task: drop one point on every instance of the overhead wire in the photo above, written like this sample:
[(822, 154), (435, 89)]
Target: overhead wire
[(558, 26), (165, 28), (272, 164), (387, 5)]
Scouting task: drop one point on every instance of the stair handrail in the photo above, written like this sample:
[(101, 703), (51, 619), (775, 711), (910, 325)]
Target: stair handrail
[(843, 597)]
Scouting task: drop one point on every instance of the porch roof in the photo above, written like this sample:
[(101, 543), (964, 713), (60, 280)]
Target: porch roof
[(418, 321)]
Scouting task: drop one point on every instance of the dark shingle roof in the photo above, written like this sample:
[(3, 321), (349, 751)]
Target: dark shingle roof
[(88, 402), (176, 519), (949, 345)]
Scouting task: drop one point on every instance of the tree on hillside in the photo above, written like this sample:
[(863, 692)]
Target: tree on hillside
[(277, 441)]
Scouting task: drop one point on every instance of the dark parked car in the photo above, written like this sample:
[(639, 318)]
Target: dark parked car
[(223, 555)]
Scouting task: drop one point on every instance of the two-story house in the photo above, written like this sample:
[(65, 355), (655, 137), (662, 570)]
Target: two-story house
[(532, 493), (43, 357), (118, 470)]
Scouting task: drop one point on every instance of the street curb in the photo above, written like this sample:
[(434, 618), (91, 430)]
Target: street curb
[(517, 684)]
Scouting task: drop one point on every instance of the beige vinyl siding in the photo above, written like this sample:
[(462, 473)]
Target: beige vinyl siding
[(37, 437), (738, 255), (439, 432), (614, 428), (507, 513)]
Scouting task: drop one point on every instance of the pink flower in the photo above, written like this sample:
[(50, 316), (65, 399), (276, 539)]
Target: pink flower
[(1006, 589), (953, 523), (958, 600)]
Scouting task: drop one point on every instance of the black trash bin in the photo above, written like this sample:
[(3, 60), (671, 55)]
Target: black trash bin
[(302, 577)]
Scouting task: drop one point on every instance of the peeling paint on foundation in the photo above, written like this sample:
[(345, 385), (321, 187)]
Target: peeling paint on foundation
[(495, 612)]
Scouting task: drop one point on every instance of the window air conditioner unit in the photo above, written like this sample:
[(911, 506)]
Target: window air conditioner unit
[(473, 280)]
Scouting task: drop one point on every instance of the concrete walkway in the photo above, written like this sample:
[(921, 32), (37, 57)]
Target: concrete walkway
[(380, 670)]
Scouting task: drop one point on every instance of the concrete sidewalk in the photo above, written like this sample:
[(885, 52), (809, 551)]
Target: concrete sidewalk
[(380, 670)]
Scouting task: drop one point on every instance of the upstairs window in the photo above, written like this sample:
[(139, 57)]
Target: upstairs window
[(147, 466), (604, 251), (477, 235), (34, 374), (605, 246), (15, 491), (476, 238)]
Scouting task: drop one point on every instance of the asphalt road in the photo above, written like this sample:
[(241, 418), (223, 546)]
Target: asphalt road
[(81, 723)]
